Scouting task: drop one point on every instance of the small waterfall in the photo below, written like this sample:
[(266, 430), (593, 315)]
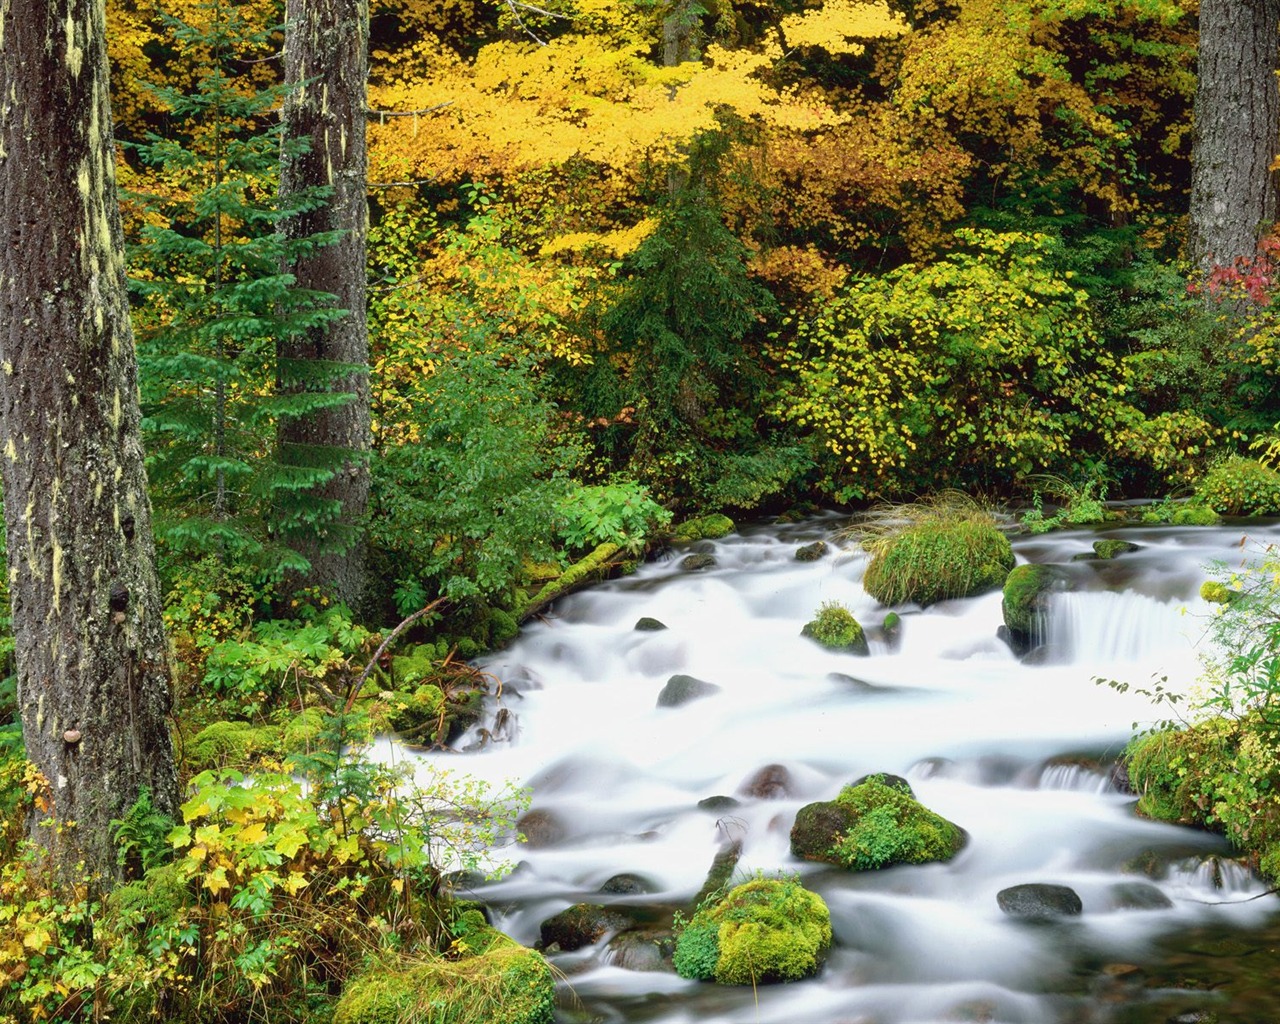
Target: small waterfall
[(1102, 627)]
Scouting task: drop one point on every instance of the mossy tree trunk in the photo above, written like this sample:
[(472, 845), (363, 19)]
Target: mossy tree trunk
[(93, 681), (327, 68), (1237, 125)]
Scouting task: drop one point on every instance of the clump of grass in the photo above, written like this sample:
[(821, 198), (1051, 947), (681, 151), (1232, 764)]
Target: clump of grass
[(945, 546)]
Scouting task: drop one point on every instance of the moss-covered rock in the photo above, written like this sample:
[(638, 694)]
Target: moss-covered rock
[(835, 628), (698, 560), (766, 930), (874, 824), (935, 561), (1241, 487), (1110, 547), (1026, 595), (811, 552), (232, 744), (711, 527), (582, 924), (504, 984), (648, 624)]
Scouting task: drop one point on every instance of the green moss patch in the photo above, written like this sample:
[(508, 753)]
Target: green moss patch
[(504, 984), (766, 930), (834, 627), (1026, 591), (874, 824), (704, 528)]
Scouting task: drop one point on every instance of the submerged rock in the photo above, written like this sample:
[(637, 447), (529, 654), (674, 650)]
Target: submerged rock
[(626, 884), (811, 552), (541, 829), (718, 804), (1039, 901), (697, 560), (583, 924), (643, 950), (682, 689), (1110, 547), (772, 782), (1137, 896)]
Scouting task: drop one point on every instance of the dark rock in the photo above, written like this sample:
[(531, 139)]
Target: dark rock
[(718, 804), (626, 885), (1120, 780), (816, 827), (682, 689), (648, 624), (772, 782), (811, 552), (583, 924), (1038, 901), (696, 561), (541, 829), (643, 950), (1137, 896)]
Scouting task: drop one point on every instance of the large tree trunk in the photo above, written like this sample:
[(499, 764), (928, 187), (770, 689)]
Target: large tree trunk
[(327, 68), (93, 680), (1237, 124)]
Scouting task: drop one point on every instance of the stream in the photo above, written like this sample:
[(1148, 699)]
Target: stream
[(1017, 752)]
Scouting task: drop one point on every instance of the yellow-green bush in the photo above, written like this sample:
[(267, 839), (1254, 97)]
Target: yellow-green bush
[(1241, 487)]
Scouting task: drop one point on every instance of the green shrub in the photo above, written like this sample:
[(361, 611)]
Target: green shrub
[(948, 547), (892, 827), (1241, 487), (619, 513), (765, 930), (836, 628)]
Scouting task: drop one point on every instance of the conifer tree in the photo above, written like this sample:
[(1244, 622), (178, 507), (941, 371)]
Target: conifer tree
[(215, 305)]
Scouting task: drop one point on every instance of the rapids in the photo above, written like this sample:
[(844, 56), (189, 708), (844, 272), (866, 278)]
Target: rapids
[(1016, 753)]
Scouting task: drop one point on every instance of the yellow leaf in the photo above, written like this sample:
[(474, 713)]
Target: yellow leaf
[(254, 833), (38, 938), (294, 881), (216, 880), (289, 843)]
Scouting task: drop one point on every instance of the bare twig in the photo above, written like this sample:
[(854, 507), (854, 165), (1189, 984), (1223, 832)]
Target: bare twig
[(382, 648), (381, 115)]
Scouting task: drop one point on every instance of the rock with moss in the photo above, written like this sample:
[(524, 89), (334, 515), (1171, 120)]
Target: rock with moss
[(764, 931), (811, 552), (711, 527), (835, 628), (583, 924), (873, 824), (1111, 547), (937, 561), (648, 624), (594, 567), (682, 689), (698, 560), (1026, 601), (494, 981)]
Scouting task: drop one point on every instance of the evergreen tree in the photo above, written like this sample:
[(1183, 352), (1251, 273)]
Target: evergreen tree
[(213, 304)]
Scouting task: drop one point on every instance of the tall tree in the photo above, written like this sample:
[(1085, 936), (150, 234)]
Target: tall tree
[(1237, 128), (327, 70), (93, 680)]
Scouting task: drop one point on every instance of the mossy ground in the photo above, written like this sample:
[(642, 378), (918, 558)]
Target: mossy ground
[(496, 981), (765, 930)]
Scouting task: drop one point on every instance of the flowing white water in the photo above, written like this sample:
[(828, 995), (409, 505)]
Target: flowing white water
[(999, 746)]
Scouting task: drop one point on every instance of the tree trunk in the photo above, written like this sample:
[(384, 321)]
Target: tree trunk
[(1237, 124), (93, 681), (327, 68)]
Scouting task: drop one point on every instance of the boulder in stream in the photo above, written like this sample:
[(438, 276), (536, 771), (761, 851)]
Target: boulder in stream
[(772, 782), (697, 560), (1137, 896), (874, 824), (648, 624), (1026, 602), (541, 828), (1039, 901), (835, 628), (682, 689), (583, 924), (811, 552), (643, 950), (763, 931)]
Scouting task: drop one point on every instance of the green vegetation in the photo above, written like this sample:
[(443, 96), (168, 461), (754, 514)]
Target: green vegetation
[(1222, 770), (936, 549), (1024, 597), (1240, 486), (763, 931), (836, 628), (892, 827), (1078, 505)]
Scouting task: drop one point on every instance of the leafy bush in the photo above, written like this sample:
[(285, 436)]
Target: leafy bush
[(931, 551), (976, 367), (1241, 487), (619, 513), (765, 930), (1079, 505)]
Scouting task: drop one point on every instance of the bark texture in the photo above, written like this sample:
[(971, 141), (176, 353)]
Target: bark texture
[(1237, 127), (327, 67), (93, 680)]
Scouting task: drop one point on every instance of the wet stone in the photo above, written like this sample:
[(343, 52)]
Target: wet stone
[(718, 804), (1137, 896), (626, 884), (698, 560), (811, 552), (648, 624), (1038, 901), (541, 829), (682, 689), (772, 782)]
